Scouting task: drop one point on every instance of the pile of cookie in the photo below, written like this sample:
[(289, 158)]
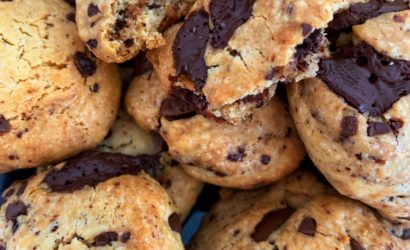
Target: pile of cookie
[(296, 109)]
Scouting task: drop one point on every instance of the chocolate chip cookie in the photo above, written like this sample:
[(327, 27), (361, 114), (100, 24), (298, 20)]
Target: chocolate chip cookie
[(234, 53), (258, 151), (127, 138), (56, 98), (353, 118), (96, 200), (295, 213), (115, 31)]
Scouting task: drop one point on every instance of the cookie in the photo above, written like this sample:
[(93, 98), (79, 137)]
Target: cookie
[(56, 98), (127, 138), (258, 151), (116, 31), (354, 119), (295, 213), (234, 53), (96, 200)]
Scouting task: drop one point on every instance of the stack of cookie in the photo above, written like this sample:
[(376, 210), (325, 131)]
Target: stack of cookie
[(233, 93)]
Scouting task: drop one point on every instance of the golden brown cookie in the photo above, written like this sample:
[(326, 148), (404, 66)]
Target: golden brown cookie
[(96, 200), (295, 213), (56, 98), (115, 31), (258, 151), (354, 117)]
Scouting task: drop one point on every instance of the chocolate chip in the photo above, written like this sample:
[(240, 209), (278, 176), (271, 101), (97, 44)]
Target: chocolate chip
[(226, 17), (265, 159), (119, 25), (406, 234), (354, 245), (4, 125), (84, 64), (290, 9), (237, 156), (258, 99), (125, 237), (189, 48), (22, 188), (129, 43), (182, 104), (398, 19), (348, 127), (104, 239), (95, 88), (271, 222), (174, 221), (366, 79), (378, 128), (153, 6), (308, 226), (271, 74), (13, 157), (92, 10), (306, 29), (92, 43), (70, 17), (396, 124), (91, 168), (311, 44), (13, 211), (54, 228)]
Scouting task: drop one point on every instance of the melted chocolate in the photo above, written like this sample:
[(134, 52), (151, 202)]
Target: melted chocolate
[(182, 104), (91, 168), (271, 222), (189, 48), (366, 79), (227, 16)]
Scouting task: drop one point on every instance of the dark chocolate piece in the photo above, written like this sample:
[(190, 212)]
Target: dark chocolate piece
[(13, 211), (265, 159), (308, 226), (92, 10), (311, 45), (237, 156), (22, 188), (271, 222), (227, 16), (354, 245), (348, 127), (91, 168), (84, 64), (4, 125), (92, 43), (174, 221), (366, 79), (70, 17), (189, 48), (125, 237), (306, 29), (182, 104), (105, 238), (406, 234)]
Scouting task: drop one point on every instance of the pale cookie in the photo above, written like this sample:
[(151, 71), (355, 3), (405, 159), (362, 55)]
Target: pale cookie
[(229, 52), (295, 213), (258, 151), (127, 138), (96, 200), (116, 30), (56, 98), (354, 118)]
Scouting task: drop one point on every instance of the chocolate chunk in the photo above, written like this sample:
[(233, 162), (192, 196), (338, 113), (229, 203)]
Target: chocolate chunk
[(95, 88), (396, 124), (92, 43), (119, 25), (13, 211), (84, 64), (189, 48), (4, 125), (378, 128), (141, 64), (271, 222), (91, 168), (271, 74), (105, 238), (22, 188), (308, 226), (398, 19), (265, 159), (153, 6), (54, 228), (237, 156), (125, 237), (129, 43), (354, 245), (182, 104), (306, 29), (226, 17), (92, 10), (366, 79), (257, 99), (348, 127), (406, 234), (174, 221), (70, 17), (311, 44)]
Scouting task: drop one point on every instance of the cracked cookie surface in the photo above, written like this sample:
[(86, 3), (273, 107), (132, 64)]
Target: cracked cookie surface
[(56, 99), (96, 200), (296, 213), (354, 118), (258, 151), (117, 30)]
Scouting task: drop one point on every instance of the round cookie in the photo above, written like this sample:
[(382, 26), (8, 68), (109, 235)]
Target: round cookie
[(258, 151), (56, 98), (295, 213), (115, 31), (234, 53), (127, 138), (354, 117), (96, 200)]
